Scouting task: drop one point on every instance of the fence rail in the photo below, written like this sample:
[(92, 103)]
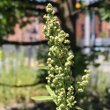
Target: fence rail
[(3, 42)]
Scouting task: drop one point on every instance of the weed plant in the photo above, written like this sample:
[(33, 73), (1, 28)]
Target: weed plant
[(22, 76), (62, 87)]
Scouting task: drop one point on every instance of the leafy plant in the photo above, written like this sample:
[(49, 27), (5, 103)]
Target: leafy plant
[(20, 85), (105, 13), (62, 87)]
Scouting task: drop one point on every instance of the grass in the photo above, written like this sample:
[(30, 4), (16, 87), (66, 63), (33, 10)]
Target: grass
[(17, 70), (22, 76)]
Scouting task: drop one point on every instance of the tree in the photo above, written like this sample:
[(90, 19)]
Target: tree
[(68, 20), (11, 11), (105, 10)]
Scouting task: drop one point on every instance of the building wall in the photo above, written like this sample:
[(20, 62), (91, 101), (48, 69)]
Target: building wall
[(30, 33), (102, 28)]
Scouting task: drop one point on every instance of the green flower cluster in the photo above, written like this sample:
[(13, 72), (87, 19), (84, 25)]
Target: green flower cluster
[(59, 61), (84, 81)]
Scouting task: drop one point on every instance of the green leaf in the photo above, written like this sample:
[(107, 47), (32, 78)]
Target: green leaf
[(51, 92), (42, 98), (78, 108), (42, 67), (105, 16)]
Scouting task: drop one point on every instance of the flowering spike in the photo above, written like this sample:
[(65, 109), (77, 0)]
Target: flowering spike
[(60, 60)]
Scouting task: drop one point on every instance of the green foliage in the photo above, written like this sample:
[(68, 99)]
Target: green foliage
[(1, 55), (42, 98), (61, 84), (10, 12), (42, 53), (105, 10), (81, 84), (97, 93), (23, 76), (105, 13), (81, 62), (59, 63), (43, 68), (52, 93)]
